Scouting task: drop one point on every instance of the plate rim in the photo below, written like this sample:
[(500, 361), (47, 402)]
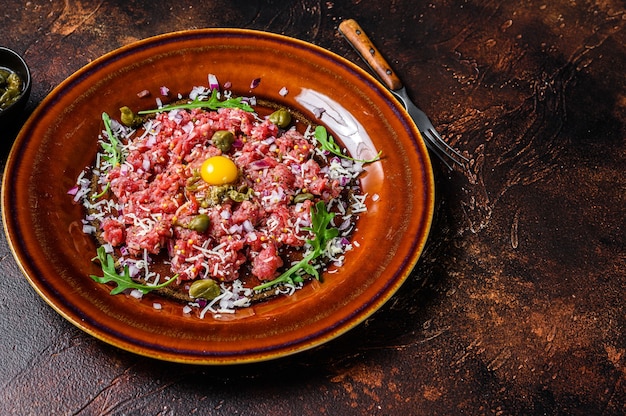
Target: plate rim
[(151, 42)]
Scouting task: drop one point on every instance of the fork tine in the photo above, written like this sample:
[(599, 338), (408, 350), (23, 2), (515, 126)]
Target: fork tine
[(445, 146), (442, 149), (436, 148)]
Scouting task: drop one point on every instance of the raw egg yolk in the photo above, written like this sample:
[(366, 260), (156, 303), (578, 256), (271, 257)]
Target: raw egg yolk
[(219, 170)]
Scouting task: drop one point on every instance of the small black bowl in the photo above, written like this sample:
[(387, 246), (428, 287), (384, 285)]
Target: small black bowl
[(13, 62)]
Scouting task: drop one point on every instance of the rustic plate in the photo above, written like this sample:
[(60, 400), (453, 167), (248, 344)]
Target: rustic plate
[(43, 225)]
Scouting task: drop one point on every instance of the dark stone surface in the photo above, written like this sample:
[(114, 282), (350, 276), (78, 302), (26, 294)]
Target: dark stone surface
[(517, 304)]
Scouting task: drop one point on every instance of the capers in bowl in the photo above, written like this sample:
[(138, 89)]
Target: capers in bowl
[(10, 87), (15, 85)]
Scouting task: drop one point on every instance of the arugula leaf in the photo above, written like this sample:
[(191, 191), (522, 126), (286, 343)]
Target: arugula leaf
[(327, 142), (320, 219), (103, 192), (113, 154), (123, 281), (213, 103)]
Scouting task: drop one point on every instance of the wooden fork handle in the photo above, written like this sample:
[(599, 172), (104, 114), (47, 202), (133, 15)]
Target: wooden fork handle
[(351, 30)]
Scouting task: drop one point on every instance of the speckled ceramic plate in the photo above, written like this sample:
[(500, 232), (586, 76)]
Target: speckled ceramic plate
[(59, 140)]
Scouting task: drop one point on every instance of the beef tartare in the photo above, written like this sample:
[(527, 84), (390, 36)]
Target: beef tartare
[(224, 196)]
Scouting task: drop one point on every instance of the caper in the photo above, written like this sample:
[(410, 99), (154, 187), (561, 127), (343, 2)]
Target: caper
[(282, 118), (205, 288), (240, 196), (302, 197), (192, 182), (130, 119), (223, 140), (199, 223)]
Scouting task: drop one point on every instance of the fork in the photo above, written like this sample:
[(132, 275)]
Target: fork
[(355, 35)]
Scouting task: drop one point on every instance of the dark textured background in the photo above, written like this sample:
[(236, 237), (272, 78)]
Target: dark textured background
[(517, 304)]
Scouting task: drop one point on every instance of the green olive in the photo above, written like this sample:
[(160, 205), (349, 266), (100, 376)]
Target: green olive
[(282, 118), (130, 119), (199, 223), (205, 288), (223, 140), (302, 197)]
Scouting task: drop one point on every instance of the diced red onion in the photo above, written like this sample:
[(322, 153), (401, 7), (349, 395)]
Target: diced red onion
[(249, 100), (255, 83), (195, 92), (175, 116), (213, 84), (345, 224), (258, 164), (143, 93), (133, 270), (228, 84), (247, 225), (164, 91), (234, 229), (72, 191), (283, 91), (89, 229), (187, 128)]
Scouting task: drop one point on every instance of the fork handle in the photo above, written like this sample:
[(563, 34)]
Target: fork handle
[(353, 32)]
